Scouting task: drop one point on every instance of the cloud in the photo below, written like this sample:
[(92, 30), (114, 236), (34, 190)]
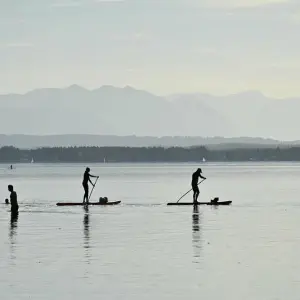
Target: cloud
[(12, 21), (234, 3), (211, 4), (285, 65), (19, 45), (295, 18), (133, 70), (66, 4), (202, 3), (138, 36), (247, 3), (206, 50), (110, 1)]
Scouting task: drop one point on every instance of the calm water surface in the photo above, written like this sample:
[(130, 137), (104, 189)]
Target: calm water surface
[(143, 249)]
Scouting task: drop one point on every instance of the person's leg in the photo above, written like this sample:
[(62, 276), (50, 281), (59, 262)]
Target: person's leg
[(86, 193), (197, 194), (15, 210), (83, 194), (194, 194)]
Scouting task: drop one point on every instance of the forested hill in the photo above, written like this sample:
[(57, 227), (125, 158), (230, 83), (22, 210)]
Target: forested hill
[(145, 154)]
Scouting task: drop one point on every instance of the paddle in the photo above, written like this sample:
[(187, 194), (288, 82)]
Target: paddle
[(93, 188), (188, 191)]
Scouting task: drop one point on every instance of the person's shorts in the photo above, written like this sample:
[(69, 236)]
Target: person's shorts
[(195, 189), (85, 186), (15, 208)]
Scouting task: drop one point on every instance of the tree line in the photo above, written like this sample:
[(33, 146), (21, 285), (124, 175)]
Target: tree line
[(145, 154)]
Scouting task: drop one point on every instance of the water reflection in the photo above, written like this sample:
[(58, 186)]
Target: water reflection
[(13, 232), (196, 240), (86, 231)]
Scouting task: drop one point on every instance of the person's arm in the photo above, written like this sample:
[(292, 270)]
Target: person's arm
[(91, 180), (94, 176), (202, 177)]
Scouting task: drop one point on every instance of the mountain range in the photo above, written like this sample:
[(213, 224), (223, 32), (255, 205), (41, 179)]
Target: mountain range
[(127, 111), (71, 140)]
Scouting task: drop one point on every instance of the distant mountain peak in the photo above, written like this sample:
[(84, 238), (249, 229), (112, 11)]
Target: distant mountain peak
[(42, 91), (127, 89), (107, 87), (251, 93), (130, 88), (76, 87)]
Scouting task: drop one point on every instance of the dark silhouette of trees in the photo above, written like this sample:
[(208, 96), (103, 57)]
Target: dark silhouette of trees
[(146, 154)]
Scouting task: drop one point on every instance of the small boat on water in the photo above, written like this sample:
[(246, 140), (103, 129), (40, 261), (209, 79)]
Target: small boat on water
[(90, 203)]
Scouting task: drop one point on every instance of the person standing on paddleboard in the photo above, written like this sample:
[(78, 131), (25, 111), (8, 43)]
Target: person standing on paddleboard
[(195, 187), (85, 183)]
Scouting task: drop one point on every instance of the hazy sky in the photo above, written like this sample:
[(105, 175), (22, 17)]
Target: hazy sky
[(215, 46)]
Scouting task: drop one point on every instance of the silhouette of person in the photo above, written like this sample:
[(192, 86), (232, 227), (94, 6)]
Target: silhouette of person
[(195, 187), (85, 183), (6, 201), (13, 200)]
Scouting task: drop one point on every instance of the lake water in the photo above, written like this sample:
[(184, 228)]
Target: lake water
[(143, 249)]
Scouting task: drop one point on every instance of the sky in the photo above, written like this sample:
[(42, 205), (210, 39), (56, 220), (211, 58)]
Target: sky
[(163, 46)]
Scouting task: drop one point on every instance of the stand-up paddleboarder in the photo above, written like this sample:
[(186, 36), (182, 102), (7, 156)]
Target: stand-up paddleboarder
[(195, 187), (85, 183)]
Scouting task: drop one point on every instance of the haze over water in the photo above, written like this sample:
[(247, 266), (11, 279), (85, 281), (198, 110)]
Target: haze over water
[(144, 249)]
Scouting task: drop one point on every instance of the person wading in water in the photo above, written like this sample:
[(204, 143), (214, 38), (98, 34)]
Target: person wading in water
[(195, 187), (13, 200), (85, 183)]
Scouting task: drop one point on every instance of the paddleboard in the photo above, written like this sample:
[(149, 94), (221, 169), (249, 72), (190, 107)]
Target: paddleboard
[(202, 203), (90, 203)]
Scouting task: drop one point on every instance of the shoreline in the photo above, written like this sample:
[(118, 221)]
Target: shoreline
[(112, 155)]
